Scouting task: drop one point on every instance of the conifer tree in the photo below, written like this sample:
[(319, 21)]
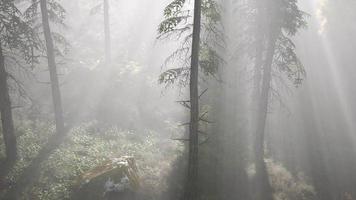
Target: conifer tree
[(51, 11), (283, 19), (177, 24), (56, 94), (18, 41)]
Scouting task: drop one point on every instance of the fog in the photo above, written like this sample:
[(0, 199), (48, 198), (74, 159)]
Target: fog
[(177, 99)]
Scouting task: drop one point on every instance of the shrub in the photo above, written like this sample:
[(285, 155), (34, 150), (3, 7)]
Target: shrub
[(86, 147)]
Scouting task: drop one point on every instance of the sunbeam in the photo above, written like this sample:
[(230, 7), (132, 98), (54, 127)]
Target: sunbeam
[(177, 99)]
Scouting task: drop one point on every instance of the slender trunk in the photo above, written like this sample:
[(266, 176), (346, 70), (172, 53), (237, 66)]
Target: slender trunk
[(6, 113), (191, 192), (264, 188), (259, 53), (56, 94), (107, 33), (260, 48), (258, 71)]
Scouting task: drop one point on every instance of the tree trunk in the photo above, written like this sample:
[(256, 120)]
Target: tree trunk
[(264, 189), (107, 34), (260, 29), (56, 94), (191, 191), (260, 48), (6, 113)]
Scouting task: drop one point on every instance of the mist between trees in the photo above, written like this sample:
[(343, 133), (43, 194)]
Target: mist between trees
[(177, 100)]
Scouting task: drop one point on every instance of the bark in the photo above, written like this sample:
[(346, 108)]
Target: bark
[(107, 33), (56, 94), (8, 129), (260, 29), (260, 48), (191, 191), (264, 189)]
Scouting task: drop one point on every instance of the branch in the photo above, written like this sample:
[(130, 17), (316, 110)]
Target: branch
[(184, 103), (206, 121), (15, 107), (185, 124), (181, 139), (203, 93), (202, 132), (205, 141), (203, 115)]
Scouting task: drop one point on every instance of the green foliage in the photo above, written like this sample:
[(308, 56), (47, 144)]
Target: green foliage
[(290, 19), (210, 10), (16, 33), (85, 148), (284, 18), (177, 23), (288, 62), (174, 7), (209, 61), (174, 16), (56, 12), (56, 15), (286, 186), (172, 75)]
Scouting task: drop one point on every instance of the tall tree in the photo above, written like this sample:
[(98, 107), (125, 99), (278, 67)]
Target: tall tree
[(203, 57), (107, 33), (6, 112), (18, 41), (262, 180), (284, 18), (191, 191), (56, 94)]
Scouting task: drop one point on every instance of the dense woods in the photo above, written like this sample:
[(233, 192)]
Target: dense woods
[(177, 100)]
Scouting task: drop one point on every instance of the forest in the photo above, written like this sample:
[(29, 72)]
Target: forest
[(177, 100)]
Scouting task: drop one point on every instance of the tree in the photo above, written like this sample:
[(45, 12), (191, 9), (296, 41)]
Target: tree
[(284, 18), (6, 112), (107, 33), (177, 25), (56, 94), (192, 181), (17, 41), (203, 57), (105, 7)]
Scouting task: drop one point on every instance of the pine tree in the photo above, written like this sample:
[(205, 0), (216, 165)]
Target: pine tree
[(56, 94), (105, 7), (191, 191), (283, 19), (107, 33), (17, 41), (6, 112), (55, 45), (203, 57)]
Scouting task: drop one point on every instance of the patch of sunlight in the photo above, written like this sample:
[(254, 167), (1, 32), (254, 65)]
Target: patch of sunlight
[(322, 19)]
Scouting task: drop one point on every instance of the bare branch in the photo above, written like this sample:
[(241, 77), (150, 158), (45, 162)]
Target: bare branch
[(180, 139), (204, 141), (203, 93)]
